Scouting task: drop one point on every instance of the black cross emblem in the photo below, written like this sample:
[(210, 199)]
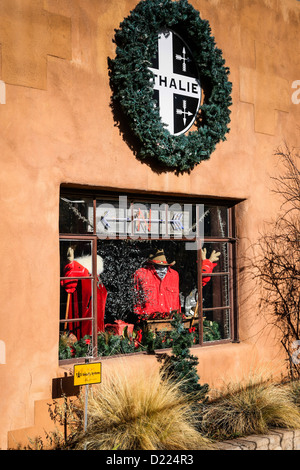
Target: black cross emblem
[(177, 88)]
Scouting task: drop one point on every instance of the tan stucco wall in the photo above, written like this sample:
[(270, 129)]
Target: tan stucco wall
[(57, 127)]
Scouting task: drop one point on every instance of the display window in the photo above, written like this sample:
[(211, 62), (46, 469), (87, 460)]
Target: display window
[(128, 264)]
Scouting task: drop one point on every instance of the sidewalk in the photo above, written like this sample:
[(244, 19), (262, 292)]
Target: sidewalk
[(277, 439)]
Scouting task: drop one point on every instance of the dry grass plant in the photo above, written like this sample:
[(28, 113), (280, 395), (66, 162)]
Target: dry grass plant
[(251, 407), (140, 412), (146, 413), (294, 387)]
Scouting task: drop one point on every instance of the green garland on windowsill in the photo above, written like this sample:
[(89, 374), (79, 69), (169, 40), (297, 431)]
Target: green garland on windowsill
[(110, 344), (130, 81)]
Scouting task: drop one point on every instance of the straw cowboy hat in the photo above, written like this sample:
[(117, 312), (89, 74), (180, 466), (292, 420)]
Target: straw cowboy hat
[(159, 258)]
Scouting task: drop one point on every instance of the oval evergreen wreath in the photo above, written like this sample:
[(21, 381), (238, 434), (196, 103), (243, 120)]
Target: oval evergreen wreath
[(130, 80)]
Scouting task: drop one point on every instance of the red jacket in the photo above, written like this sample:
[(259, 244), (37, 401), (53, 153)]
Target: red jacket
[(80, 305), (207, 268), (156, 295)]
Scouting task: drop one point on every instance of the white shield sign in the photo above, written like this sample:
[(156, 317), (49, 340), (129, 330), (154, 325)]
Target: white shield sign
[(177, 89)]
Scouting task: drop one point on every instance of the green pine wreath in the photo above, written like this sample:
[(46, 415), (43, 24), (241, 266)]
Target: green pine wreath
[(132, 87)]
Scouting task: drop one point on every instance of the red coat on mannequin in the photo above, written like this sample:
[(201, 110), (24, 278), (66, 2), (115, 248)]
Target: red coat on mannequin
[(80, 299), (156, 294)]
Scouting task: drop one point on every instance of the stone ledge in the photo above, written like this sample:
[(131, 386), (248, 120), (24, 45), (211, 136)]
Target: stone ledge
[(276, 439)]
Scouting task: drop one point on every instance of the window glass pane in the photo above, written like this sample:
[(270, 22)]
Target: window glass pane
[(72, 340), (76, 298), (182, 220), (215, 221), (120, 259), (216, 325), (216, 253), (75, 214), (149, 220), (134, 288), (215, 291), (75, 258), (113, 218), (76, 303)]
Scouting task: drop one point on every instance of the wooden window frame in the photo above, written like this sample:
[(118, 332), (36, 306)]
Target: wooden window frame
[(230, 239)]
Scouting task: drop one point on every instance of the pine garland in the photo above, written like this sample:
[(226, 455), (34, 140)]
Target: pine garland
[(130, 81)]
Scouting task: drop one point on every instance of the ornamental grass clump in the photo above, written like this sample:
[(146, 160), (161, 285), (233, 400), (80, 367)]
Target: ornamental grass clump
[(250, 408), (140, 412), (295, 391)]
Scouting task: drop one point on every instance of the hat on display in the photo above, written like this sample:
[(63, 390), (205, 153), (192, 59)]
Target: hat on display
[(159, 258)]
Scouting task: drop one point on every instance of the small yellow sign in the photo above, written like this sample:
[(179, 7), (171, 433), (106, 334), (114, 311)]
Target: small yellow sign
[(85, 374)]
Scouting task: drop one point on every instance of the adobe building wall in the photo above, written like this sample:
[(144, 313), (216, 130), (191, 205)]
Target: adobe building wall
[(57, 127)]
